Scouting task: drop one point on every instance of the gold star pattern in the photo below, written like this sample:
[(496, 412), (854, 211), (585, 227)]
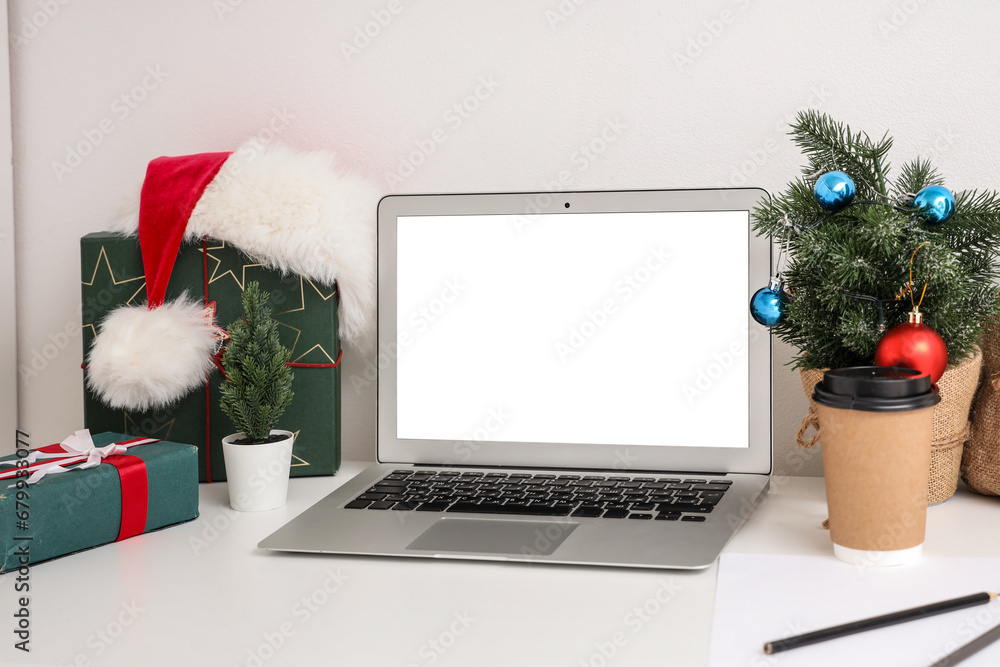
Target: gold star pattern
[(102, 258), (298, 458), (161, 433), (215, 275), (311, 296)]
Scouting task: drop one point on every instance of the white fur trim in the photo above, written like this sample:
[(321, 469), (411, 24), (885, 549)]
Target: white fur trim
[(146, 359), (297, 212)]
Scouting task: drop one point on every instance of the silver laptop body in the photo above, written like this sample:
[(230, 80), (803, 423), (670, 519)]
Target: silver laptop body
[(577, 336)]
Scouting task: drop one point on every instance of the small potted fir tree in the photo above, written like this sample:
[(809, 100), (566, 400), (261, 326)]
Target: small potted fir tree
[(883, 271), (255, 393)]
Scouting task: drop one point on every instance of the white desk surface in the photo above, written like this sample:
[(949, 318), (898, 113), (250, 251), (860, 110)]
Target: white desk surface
[(202, 594)]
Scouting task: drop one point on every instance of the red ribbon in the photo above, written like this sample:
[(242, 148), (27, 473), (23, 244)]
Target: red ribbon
[(135, 494), (208, 384), (301, 364)]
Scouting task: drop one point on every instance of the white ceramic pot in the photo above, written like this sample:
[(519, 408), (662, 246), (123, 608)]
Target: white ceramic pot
[(258, 474)]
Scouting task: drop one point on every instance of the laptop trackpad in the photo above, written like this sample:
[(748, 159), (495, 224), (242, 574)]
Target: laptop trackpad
[(538, 538)]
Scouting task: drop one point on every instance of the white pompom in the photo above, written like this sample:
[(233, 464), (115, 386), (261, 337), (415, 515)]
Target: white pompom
[(146, 359)]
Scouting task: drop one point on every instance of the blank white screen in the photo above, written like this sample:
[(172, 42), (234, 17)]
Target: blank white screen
[(598, 328)]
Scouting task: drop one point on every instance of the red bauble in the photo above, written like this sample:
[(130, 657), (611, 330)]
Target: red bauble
[(913, 345)]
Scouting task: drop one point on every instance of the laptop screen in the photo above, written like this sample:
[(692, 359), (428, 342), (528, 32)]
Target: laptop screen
[(602, 330)]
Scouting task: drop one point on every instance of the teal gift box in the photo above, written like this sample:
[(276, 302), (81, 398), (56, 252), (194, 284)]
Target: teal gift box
[(78, 509)]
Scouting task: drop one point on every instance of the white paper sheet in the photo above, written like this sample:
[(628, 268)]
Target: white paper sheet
[(761, 598)]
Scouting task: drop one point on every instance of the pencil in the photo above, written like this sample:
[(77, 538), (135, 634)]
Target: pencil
[(878, 622), (975, 646)]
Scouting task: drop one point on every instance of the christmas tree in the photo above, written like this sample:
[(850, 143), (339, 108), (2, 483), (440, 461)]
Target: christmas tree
[(847, 263), (258, 384)]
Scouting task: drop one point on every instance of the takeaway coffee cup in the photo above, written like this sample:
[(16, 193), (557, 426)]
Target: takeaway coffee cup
[(875, 425)]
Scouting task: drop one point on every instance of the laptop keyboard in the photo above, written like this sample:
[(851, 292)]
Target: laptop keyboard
[(526, 494)]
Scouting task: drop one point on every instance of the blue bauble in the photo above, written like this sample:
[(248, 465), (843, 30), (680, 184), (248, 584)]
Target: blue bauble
[(935, 204), (769, 305), (834, 190)]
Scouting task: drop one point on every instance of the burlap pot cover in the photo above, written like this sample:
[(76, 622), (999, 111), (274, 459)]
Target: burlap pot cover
[(981, 458), (951, 423)]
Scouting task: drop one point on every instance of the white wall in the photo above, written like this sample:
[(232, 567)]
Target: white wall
[(8, 297), (228, 68)]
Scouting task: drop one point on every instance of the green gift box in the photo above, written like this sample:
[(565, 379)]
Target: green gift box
[(306, 312), (81, 509)]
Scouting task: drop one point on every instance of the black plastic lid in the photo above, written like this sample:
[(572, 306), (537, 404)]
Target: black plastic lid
[(876, 389)]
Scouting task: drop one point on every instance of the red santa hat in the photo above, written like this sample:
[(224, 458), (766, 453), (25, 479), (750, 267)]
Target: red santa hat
[(295, 212)]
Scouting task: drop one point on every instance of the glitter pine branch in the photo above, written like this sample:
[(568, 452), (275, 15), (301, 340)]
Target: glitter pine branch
[(847, 275)]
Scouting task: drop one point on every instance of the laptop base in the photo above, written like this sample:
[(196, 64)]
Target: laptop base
[(328, 527)]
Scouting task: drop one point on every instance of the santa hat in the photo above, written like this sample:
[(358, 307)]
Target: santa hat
[(295, 212)]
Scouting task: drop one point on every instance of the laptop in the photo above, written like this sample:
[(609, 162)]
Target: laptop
[(568, 378)]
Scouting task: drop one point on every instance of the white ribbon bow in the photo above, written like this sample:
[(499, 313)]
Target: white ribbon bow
[(81, 444), (77, 445)]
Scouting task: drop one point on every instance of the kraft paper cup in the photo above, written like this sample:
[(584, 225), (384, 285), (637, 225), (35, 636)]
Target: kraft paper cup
[(876, 425)]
